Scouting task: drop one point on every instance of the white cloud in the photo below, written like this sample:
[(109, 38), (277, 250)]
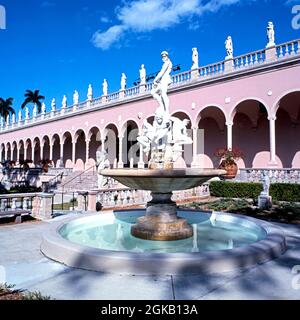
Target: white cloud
[(141, 16), (105, 19), (47, 4), (105, 39)]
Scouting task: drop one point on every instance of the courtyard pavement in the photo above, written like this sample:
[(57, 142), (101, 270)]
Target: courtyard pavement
[(27, 268)]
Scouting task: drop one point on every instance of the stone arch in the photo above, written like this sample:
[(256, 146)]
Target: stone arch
[(37, 150), (94, 140), (28, 147), (212, 105), (233, 111), (130, 148), (14, 151), (250, 132), (21, 150), (55, 143), (46, 148), (111, 145), (66, 158), (2, 149), (80, 149), (211, 135), (8, 151), (287, 125)]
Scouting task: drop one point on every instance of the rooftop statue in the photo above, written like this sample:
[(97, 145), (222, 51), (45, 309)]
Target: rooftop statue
[(53, 105), (64, 102), (105, 87), (142, 75), (270, 35), (90, 93), (76, 97), (123, 82), (195, 59), (229, 47)]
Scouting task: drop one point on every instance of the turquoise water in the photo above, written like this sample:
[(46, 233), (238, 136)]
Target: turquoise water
[(112, 232)]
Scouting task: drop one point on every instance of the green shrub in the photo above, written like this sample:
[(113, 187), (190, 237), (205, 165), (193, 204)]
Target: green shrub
[(224, 189), (250, 190), (285, 192)]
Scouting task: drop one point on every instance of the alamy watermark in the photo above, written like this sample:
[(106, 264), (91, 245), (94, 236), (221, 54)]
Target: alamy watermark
[(2, 18), (296, 278), (296, 18), (2, 275)]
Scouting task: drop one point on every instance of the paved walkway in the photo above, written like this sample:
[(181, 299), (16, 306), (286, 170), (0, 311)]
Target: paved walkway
[(27, 268)]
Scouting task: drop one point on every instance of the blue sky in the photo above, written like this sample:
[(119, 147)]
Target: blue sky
[(58, 46)]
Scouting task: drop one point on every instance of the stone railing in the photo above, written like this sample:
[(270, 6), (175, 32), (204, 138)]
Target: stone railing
[(40, 204), (124, 197), (276, 175), (250, 60)]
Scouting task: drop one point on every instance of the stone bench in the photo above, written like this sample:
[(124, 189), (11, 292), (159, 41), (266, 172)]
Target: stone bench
[(17, 214)]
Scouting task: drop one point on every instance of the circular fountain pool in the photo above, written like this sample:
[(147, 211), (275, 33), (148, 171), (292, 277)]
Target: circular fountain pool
[(220, 242)]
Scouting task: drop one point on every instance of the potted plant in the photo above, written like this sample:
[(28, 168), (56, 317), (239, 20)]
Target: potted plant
[(45, 165), (228, 158)]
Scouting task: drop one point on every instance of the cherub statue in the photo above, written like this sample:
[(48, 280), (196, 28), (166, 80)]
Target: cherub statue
[(102, 163)]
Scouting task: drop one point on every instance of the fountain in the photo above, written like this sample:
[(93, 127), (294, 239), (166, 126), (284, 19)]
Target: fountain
[(160, 239)]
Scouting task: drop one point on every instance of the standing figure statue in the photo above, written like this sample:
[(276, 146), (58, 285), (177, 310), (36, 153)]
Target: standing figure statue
[(270, 35), (229, 47), (161, 83), (26, 113), (102, 163), (105, 87), (142, 75), (123, 82), (19, 116), (76, 97), (195, 59), (43, 109), (266, 183), (53, 105), (64, 102), (90, 93), (34, 112)]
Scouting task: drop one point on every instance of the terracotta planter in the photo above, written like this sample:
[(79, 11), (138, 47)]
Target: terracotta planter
[(231, 169)]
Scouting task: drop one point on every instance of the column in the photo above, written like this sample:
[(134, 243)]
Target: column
[(229, 134), (32, 153), (18, 154), (41, 151), (102, 144), (272, 140), (195, 145), (141, 164), (51, 152), (120, 164), (1, 155), (61, 155), (5, 153), (25, 153), (87, 152), (74, 152)]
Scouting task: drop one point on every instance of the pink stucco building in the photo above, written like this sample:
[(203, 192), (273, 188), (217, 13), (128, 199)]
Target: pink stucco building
[(251, 102)]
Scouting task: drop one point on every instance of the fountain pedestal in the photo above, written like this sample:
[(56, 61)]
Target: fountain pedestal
[(161, 221)]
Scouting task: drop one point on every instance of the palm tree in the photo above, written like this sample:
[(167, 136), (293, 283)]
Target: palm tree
[(33, 97), (6, 107)]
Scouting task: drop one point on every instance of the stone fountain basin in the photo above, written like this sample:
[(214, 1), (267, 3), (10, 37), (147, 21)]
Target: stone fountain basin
[(161, 180)]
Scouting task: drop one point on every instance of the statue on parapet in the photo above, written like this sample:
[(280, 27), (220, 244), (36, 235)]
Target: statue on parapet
[(270, 35), (162, 82), (229, 47), (105, 87), (142, 75), (195, 59)]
